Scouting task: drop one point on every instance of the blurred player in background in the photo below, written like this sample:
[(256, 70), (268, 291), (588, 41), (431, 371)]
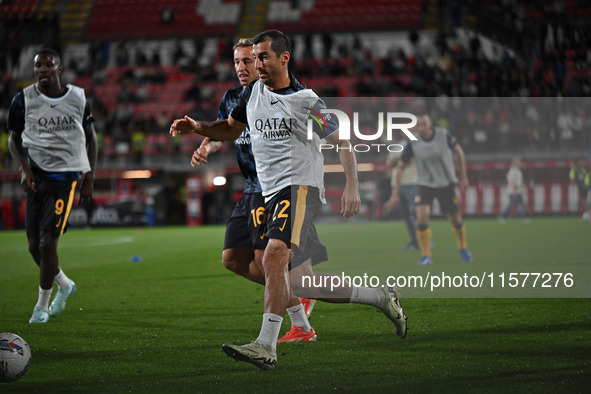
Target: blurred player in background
[(436, 178), (286, 165), (244, 242), (406, 196), (515, 190), (579, 174), (52, 138)]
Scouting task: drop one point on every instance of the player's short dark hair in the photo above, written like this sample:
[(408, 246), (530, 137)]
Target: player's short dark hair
[(243, 43), (279, 41), (49, 52)]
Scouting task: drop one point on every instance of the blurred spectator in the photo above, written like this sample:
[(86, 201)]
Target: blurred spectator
[(98, 52), (125, 95), (181, 58), (138, 140), (70, 73), (194, 92), (167, 16), (121, 55), (224, 71), (142, 94), (154, 74), (569, 125), (4, 152)]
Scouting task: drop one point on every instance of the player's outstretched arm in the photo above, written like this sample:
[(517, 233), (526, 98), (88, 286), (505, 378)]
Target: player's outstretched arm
[(350, 201), (207, 147), (220, 130), (394, 198)]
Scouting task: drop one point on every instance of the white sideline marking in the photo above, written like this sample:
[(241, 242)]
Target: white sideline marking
[(113, 241)]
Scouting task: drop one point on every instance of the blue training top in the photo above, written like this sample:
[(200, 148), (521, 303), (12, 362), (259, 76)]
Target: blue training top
[(242, 146)]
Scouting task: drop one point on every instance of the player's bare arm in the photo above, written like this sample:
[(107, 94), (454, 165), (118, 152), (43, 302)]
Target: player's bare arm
[(219, 130), (459, 152), (394, 198), (92, 152), (15, 145), (350, 201), (207, 147)]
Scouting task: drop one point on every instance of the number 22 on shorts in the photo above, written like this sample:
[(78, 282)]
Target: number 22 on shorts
[(285, 204)]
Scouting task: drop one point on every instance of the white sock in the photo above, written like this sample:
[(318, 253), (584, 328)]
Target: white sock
[(43, 300), (62, 280), (270, 330), (298, 317), (365, 295)]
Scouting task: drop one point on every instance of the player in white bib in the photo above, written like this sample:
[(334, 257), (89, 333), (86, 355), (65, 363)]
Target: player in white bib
[(433, 154), (290, 169), (52, 139), (244, 242)]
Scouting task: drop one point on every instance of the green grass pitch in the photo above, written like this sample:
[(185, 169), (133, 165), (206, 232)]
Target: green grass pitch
[(158, 325)]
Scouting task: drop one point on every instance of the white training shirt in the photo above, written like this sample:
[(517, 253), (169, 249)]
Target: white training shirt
[(54, 134), (279, 137)]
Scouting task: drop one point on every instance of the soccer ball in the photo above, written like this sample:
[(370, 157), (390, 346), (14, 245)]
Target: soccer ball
[(15, 357)]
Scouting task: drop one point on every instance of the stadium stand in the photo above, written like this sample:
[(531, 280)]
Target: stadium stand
[(144, 63), (138, 19), (22, 9), (347, 15)]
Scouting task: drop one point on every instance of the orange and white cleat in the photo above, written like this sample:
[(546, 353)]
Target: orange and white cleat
[(298, 334), (308, 306)]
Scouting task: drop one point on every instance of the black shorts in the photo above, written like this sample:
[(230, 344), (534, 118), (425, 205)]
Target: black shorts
[(246, 226), (291, 215), (48, 209), (445, 195)]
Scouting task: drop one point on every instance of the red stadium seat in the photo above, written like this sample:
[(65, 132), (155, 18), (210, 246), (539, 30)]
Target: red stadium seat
[(350, 15), (141, 19)]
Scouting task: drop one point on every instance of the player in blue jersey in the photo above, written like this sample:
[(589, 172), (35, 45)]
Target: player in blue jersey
[(238, 255), (244, 242), (290, 169), (52, 139)]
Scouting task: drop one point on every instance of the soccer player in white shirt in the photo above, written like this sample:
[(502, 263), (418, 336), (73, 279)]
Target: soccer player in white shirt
[(291, 175), (515, 189), (52, 138)]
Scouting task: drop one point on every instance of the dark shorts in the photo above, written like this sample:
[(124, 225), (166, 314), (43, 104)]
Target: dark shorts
[(246, 226), (291, 215), (48, 209), (445, 195)]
